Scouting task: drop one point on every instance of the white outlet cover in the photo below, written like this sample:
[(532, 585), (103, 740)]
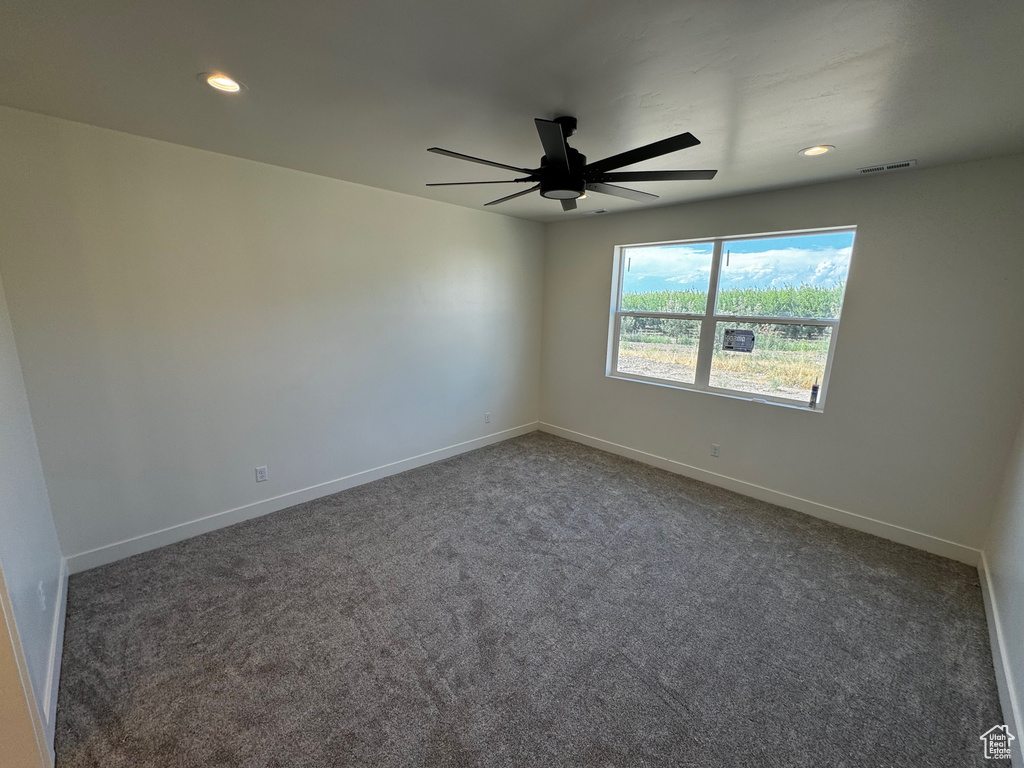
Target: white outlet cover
[(261, 474)]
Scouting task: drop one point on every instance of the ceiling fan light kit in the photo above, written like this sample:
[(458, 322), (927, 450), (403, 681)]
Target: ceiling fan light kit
[(565, 175)]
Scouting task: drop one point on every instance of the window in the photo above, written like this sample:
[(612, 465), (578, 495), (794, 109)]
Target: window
[(753, 317)]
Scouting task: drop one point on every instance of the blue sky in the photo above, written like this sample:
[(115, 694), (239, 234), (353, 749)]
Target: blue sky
[(766, 262)]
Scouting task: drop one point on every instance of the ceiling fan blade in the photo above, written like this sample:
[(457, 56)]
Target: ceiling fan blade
[(638, 155), (629, 194), (553, 139), (658, 175), (470, 158), (569, 205), (460, 183), (517, 194)]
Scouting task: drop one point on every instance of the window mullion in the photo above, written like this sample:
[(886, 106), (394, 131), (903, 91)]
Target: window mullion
[(707, 329), (662, 315)]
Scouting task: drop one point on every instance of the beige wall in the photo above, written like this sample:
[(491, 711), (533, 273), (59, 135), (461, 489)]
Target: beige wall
[(925, 388), (183, 317), (1005, 560)]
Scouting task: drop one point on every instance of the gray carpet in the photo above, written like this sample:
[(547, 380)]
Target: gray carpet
[(534, 603)]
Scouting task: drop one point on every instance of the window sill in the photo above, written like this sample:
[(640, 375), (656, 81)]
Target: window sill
[(819, 409)]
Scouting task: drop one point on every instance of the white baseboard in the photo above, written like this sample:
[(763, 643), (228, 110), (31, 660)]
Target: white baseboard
[(1013, 708), (896, 533), (83, 561), (56, 652)]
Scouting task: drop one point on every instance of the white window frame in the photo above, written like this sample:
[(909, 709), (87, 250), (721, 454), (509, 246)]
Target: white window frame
[(709, 319)]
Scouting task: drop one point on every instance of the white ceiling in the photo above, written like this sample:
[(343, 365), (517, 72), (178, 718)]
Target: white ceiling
[(358, 90)]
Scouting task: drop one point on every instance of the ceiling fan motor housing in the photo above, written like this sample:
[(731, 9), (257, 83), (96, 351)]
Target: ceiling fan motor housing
[(558, 186)]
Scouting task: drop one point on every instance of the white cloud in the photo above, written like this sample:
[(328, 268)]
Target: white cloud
[(789, 266), (685, 267), (680, 265)]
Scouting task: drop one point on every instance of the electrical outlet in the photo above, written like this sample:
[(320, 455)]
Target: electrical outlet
[(42, 597), (487, 418), (714, 450), (261, 474)]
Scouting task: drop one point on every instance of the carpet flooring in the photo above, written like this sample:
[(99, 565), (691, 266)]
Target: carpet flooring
[(533, 603)]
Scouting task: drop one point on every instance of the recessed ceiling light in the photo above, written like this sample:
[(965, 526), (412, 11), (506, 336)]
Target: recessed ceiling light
[(221, 82), (818, 149)]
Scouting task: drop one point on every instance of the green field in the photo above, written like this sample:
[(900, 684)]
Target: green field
[(788, 301)]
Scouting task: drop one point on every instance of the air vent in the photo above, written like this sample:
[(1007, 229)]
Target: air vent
[(888, 167)]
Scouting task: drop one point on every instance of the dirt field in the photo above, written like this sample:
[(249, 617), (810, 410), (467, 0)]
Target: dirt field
[(663, 361)]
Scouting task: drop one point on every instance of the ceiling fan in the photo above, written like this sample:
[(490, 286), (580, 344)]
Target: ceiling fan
[(565, 175)]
